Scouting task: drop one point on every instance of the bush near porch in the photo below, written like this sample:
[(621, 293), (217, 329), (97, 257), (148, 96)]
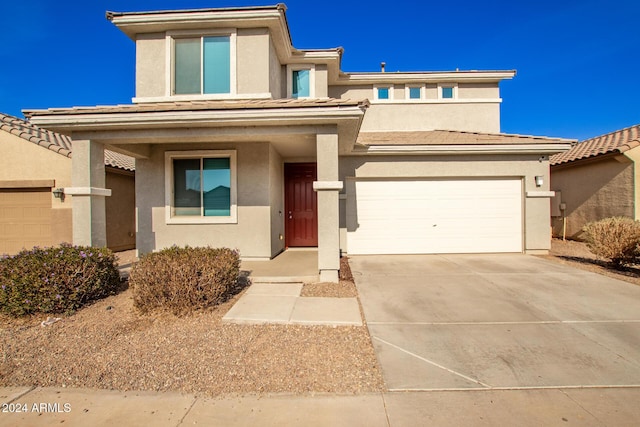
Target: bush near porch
[(184, 279), (57, 279)]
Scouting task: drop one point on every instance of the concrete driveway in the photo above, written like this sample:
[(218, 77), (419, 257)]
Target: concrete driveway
[(497, 322)]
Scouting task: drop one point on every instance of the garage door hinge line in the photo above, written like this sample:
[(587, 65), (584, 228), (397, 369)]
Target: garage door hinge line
[(473, 380)]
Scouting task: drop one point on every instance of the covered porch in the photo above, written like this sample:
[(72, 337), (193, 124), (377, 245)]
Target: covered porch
[(258, 138), (294, 265)]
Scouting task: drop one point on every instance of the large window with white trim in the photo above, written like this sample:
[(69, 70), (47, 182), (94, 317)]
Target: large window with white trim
[(201, 186), (202, 65)]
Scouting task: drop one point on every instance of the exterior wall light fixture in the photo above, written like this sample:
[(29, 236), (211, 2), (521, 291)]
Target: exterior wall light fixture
[(539, 181), (58, 193)]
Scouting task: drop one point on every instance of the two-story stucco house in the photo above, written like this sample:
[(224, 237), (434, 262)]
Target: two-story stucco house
[(242, 140)]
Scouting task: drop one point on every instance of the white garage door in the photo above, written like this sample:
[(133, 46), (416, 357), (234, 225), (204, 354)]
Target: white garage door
[(435, 216)]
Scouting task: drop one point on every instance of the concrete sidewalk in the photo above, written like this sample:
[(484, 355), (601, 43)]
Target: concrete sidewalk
[(281, 303), (548, 407)]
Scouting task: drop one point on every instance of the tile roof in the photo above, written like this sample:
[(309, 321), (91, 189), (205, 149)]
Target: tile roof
[(53, 141), (61, 144), (614, 142), (149, 107), (449, 137)]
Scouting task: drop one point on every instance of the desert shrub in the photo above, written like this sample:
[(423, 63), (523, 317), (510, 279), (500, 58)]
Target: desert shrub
[(615, 239), (184, 279), (57, 279)]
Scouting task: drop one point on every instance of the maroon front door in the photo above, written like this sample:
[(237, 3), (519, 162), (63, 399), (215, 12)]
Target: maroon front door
[(300, 204)]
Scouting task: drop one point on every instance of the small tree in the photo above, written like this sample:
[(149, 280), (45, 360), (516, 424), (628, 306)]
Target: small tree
[(615, 239)]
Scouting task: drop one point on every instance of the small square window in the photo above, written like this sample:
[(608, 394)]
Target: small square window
[(414, 93), (447, 92), (383, 93)]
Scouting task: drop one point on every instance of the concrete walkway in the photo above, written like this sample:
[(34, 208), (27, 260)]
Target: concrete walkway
[(548, 407), (281, 303)]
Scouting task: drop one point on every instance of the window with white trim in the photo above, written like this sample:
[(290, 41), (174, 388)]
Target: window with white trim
[(202, 65), (383, 92), (414, 92), (447, 91), (301, 81), (200, 186)]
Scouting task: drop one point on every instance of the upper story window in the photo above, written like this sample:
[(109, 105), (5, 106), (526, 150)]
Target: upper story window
[(383, 92), (301, 81), (414, 92), (448, 91), (202, 64)]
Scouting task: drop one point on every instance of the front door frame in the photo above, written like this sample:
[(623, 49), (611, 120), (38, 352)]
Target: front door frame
[(293, 237)]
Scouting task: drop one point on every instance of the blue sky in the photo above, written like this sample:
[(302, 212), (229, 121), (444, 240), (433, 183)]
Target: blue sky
[(577, 62)]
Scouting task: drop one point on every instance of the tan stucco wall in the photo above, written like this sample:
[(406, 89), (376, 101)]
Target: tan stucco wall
[(593, 191), (478, 91), (120, 210), (536, 210), (253, 61), (251, 234), (23, 160), (276, 190), (483, 117), (277, 87), (322, 81), (634, 156), (150, 65)]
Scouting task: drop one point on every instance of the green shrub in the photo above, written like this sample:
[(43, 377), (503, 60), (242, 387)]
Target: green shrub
[(615, 239), (57, 279), (184, 279)]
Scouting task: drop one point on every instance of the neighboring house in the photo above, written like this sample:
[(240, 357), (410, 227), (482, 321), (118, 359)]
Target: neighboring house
[(34, 163), (242, 140), (597, 178)]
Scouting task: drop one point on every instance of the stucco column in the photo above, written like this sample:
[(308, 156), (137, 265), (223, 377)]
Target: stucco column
[(88, 179), (328, 187)]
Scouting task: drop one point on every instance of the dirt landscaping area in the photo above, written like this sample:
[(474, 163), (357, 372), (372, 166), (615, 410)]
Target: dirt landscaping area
[(109, 346), (576, 254)]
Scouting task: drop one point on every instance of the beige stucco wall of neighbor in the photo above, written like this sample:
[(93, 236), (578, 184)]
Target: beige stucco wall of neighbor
[(150, 65), (592, 191), (120, 210), (535, 209), (252, 232), (22, 160), (253, 61)]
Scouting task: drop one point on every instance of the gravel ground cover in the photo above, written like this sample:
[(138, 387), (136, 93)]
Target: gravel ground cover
[(577, 254), (109, 346)]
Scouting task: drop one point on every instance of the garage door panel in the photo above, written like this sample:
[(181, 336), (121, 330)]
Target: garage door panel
[(25, 219), (436, 216)]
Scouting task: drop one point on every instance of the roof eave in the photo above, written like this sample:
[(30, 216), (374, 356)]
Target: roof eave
[(430, 76), (545, 148)]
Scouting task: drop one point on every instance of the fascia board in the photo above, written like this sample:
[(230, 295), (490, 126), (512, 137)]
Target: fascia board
[(550, 148), (73, 122), (435, 77)]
